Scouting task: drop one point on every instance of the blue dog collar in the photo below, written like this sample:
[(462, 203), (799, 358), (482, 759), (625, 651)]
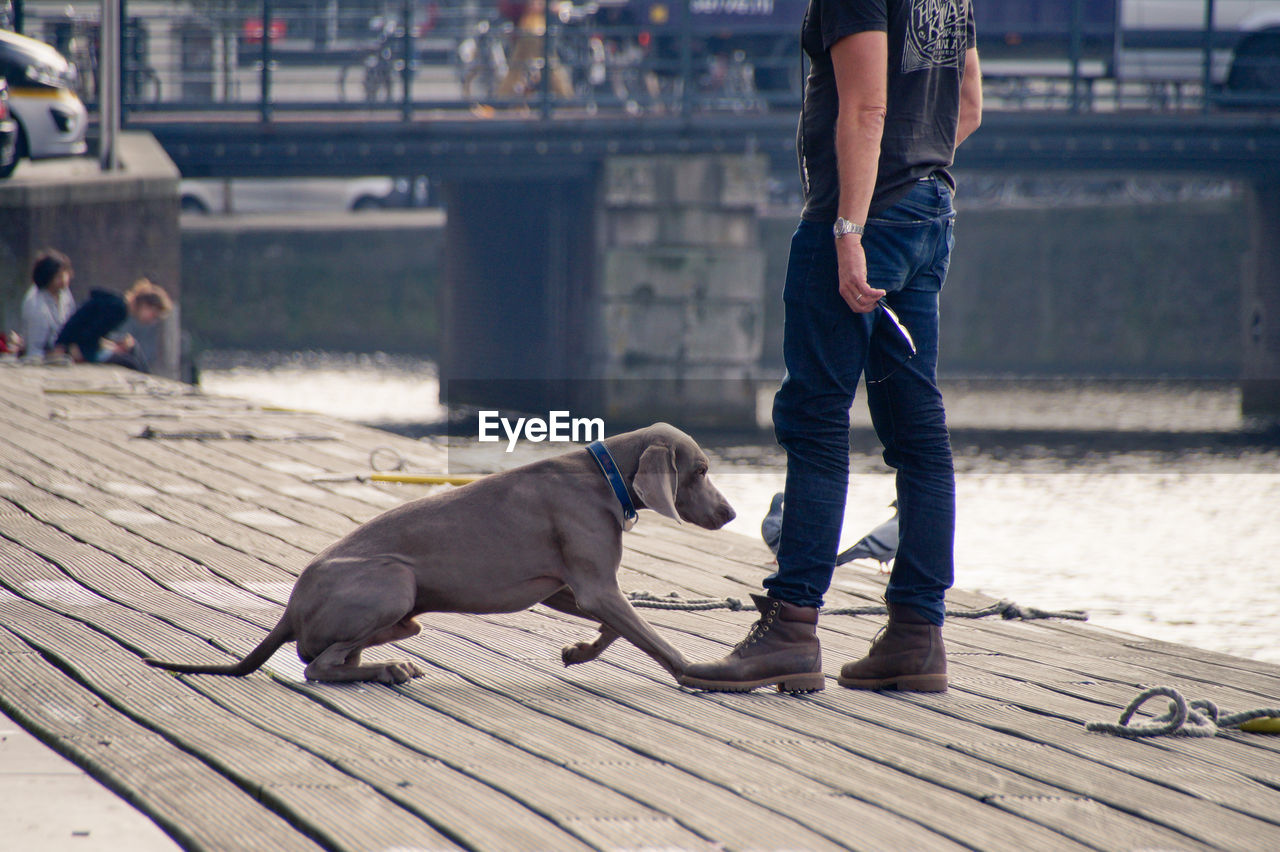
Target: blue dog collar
[(610, 470)]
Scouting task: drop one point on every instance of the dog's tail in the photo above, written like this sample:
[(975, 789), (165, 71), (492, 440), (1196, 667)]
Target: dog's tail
[(279, 634)]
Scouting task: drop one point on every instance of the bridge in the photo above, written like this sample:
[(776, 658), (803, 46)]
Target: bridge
[(452, 146), (285, 87)]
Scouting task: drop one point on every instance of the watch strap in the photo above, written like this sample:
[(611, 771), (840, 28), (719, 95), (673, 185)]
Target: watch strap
[(844, 227)]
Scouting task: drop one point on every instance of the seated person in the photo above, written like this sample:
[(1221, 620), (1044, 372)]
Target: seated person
[(86, 336), (48, 303)]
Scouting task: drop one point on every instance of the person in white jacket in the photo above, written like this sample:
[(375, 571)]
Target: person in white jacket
[(48, 303)]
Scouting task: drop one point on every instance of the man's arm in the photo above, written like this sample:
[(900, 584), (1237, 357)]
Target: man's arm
[(861, 64), (970, 97)]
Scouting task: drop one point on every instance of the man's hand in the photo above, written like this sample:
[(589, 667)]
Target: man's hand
[(851, 260)]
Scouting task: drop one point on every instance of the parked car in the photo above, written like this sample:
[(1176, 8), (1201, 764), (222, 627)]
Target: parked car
[(51, 117), (1163, 40), (287, 195), (8, 134)]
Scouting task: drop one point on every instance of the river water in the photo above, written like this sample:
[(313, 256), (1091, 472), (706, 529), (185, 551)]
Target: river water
[(1152, 505)]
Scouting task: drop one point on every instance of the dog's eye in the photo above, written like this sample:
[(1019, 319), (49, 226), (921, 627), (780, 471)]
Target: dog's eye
[(702, 470)]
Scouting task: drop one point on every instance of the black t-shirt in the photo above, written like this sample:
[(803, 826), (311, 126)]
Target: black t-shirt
[(927, 43), (95, 319)]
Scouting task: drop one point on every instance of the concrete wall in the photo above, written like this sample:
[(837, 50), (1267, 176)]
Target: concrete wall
[(362, 283), (1124, 290), (681, 289), (1135, 290), (1260, 326), (115, 227)]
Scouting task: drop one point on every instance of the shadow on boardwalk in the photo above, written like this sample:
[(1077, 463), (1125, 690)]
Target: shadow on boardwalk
[(113, 547)]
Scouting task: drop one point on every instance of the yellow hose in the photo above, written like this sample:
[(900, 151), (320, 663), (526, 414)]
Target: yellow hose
[(1261, 726), (425, 478)]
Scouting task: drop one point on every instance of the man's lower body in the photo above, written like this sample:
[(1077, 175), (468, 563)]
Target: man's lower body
[(828, 349)]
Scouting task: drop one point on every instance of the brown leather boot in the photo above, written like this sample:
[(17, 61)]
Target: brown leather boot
[(908, 655), (781, 648)]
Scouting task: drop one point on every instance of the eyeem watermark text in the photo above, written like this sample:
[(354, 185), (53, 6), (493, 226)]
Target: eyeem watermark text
[(558, 427)]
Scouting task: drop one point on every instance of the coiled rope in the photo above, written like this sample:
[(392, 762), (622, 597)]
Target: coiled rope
[(1198, 718), (1005, 609)]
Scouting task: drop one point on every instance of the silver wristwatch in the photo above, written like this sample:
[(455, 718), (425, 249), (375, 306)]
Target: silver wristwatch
[(844, 227)]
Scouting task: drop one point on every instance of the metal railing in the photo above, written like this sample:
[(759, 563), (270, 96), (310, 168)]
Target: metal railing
[(484, 57)]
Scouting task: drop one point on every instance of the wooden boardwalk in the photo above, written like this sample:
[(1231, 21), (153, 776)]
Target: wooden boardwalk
[(185, 545)]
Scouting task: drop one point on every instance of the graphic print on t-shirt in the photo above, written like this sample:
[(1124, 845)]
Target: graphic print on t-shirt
[(935, 36)]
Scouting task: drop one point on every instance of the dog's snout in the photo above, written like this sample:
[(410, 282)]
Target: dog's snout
[(721, 513)]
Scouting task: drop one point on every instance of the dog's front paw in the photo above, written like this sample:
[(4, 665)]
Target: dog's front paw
[(580, 652), (401, 671)]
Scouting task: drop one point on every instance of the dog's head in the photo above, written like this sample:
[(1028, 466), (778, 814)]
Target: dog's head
[(672, 479)]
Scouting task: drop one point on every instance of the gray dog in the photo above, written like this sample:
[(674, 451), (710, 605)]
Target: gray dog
[(548, 532)]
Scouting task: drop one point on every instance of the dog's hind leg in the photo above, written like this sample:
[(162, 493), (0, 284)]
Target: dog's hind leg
[(580, 652), (350, 605), (341, 660)]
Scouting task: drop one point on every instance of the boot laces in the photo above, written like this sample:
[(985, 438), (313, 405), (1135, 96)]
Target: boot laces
[(756, 633)]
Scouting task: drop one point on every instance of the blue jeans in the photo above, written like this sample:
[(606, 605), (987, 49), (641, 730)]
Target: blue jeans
[(827, 349)]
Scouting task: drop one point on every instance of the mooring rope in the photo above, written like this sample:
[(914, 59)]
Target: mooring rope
[(153, 434), (395, 461), (648, 600), (1197, 718), (1005, 609)]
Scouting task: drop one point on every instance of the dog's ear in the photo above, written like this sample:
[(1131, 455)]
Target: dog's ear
[(655, 481)]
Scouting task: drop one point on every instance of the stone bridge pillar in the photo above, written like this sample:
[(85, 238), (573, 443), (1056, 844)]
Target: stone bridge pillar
[(631, 292), (681, 289), (1260, 381), (517, 297)]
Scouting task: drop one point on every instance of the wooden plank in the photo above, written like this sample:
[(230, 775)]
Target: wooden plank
[(702, 733), (156, 581), (648, 776), (329, 805), (113, 546), (1229, 772), (191, 801), (273, 462), (145, 516), (1095, 824), (479, 783), (968, 726), (467, 808), (992, 714)]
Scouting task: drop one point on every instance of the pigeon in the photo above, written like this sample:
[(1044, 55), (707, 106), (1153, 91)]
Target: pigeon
[(881, 544), (771, 526)]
